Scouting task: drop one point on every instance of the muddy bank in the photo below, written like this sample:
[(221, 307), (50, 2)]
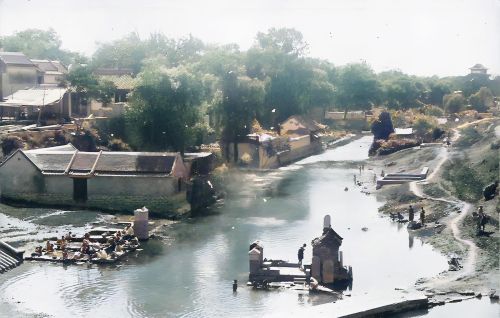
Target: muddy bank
[(450, 226)]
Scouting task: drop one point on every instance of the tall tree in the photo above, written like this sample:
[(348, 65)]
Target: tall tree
[(38, 44), (127, 52), (357, 87), (286, 40), (400, 90), (163, 111), (239, 103), (481, 100)]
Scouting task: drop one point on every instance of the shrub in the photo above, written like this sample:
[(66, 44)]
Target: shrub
[(465, 180), (469, 136), (383, 147), (382, 127), (437, 133), (453, 103), (431, 110), (481, 100), (10, 144), (424, 126), (116, 144), (391, 146)]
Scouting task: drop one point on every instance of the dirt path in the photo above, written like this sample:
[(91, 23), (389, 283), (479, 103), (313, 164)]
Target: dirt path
[(451, 222)]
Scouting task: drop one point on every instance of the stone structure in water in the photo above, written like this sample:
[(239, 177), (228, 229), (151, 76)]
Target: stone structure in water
[(327, 262)]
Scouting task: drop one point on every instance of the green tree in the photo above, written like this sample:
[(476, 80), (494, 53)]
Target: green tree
[(357, 87), (83, 81), (482, 99), (285, 40), (400, 90), (105, 91), (128, 52), (38, 44), (436, 91), (424, 126), (382, 127), (163, 109), (240, 100), (288, 90), (454, 103)]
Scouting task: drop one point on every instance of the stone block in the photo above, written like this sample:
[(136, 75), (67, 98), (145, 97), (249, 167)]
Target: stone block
[(327, 276)]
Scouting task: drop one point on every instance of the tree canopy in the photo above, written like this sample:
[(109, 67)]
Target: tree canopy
[(39, 44), (182, 81)]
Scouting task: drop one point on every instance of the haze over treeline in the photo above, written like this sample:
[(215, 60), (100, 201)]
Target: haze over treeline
[(180, 81), (420, 37)]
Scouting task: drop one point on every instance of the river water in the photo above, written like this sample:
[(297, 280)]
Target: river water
[(190, 273)]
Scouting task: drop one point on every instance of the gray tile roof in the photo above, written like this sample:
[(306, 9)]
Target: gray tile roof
[(16, 58), (66, 147), (45, 65), (119, 163), (50, 161)]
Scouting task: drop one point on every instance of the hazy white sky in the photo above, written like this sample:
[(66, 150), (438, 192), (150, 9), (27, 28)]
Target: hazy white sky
[(422, 37)]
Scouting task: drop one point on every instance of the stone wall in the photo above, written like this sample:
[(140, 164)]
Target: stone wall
[(288, 157), (20, 181), (18, 175), (171, 206)]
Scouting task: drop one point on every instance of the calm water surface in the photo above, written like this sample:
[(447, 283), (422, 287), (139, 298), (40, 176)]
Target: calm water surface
[(189, 274)]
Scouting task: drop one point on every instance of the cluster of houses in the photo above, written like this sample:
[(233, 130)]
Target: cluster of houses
[(30, 88), (298, 137)]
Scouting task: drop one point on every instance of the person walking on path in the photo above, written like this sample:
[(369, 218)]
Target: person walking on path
[(422, 216), (300, 254), (411, 214), (481, 222)]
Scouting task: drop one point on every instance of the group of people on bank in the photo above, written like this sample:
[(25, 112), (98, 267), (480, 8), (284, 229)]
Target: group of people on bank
[(89, 248)]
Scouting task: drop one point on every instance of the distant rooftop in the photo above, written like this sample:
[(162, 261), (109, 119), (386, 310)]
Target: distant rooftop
[(15, 58), (478, 67), (113, 71), (34, 97), (121, 81), (67, 147)]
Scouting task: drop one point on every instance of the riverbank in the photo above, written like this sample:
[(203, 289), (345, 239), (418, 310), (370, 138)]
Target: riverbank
[(450, 227)]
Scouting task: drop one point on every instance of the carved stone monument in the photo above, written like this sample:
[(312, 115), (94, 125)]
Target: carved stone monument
[(327, 263)]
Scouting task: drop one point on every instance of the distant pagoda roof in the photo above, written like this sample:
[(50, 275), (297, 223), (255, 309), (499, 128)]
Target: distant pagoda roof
[(478, 67)]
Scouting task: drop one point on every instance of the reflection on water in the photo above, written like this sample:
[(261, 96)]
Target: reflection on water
[(190, 275)]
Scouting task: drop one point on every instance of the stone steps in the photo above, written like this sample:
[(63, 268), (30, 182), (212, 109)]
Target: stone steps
[(9, 257)]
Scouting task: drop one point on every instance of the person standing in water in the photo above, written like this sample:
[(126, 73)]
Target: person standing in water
[(300, 254), (411, 214), (422, 216)]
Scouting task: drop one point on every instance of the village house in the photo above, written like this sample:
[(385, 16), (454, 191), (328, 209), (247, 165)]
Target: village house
[(120, 181), (299, 137), (51, 73), (47, 104), (16, 72), (124, 82)]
